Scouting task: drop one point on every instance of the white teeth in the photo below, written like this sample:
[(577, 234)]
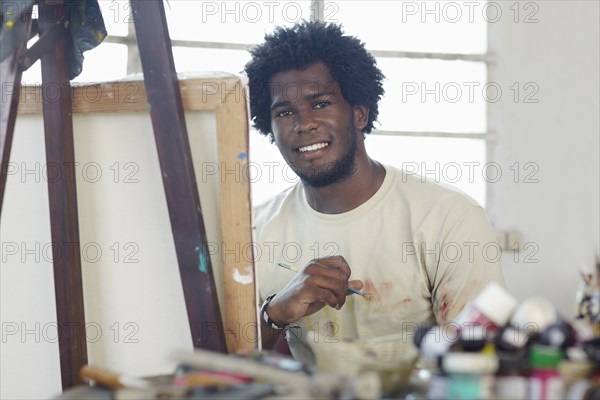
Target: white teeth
[(313, 147)]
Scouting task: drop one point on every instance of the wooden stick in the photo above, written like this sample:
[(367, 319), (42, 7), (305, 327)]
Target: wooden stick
[(179, 181), (62, 194)]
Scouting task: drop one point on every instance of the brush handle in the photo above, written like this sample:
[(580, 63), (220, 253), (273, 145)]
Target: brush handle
[(354, 291)]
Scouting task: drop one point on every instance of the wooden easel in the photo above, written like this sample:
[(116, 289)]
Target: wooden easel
[(179, 182)]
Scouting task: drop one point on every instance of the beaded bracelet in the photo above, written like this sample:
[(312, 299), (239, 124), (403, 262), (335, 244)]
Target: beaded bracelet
[(265, 316)]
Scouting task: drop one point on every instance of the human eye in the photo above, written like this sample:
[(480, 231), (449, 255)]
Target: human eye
[(283, 113), (321, 104)]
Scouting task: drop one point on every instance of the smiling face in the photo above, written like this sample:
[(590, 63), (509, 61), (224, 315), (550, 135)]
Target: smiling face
[(314, 127)]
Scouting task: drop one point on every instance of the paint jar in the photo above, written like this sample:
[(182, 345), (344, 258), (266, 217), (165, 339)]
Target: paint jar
[(534, 315), (470, 375), (545, 382), (511, 383), (491, 308)]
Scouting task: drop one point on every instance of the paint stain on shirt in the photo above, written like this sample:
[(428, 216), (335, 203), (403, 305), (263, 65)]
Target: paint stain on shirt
[(370, 293)]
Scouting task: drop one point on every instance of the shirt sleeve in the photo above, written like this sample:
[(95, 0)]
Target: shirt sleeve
[(466, 258)]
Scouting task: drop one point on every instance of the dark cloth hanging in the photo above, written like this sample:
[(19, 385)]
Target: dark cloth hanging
[(85, 27)]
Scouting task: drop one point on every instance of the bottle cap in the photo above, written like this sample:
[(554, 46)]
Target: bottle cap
[(495, 303), (470, 363), (544, 357), (512, 339), (535, 312), (473, 338)]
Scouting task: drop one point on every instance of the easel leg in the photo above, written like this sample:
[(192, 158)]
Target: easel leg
[(166, 110), (10, 77), (58, 127)]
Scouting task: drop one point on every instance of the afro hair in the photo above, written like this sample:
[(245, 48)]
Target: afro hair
[(302, 45)]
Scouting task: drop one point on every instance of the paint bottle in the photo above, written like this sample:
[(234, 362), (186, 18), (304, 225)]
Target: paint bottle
[(545, 382), (511, 383), (491, 308), (470, 375)]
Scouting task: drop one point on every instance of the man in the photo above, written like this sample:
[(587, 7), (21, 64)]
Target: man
[(351, 222)]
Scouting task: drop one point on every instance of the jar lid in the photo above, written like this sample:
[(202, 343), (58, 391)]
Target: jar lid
[(495, 303), (470, 363), (535, 312)]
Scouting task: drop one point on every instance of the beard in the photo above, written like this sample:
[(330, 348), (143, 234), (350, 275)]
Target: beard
[(333, 172)]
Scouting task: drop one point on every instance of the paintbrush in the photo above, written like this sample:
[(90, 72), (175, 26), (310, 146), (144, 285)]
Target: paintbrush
[(350, 289)]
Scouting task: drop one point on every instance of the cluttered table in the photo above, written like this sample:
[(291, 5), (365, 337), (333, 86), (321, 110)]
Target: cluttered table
[(497, 348)]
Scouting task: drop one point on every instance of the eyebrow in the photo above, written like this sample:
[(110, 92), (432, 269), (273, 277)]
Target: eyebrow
[(311, 96)]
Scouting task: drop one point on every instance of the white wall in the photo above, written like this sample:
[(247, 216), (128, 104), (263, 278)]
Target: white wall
[(559, 215)]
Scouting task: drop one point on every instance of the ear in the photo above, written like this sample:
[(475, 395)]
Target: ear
[(361, 116)]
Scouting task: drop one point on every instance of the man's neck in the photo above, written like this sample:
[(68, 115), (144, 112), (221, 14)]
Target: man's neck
[(353, 191)]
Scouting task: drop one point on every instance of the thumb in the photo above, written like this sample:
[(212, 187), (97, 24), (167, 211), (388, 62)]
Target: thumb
[(356, 284)]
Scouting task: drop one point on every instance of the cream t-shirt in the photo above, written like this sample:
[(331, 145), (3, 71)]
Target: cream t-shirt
[(423, 251)]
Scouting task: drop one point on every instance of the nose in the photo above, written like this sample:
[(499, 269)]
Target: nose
[(305, 122)]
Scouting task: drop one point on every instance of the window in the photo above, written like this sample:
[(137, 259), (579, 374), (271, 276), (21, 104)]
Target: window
[(433, 116), (433, 54)]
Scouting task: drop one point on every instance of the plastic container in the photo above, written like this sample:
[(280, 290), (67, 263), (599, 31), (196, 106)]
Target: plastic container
[(545, 382)]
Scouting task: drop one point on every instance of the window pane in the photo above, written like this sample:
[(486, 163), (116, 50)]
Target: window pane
[(433, 95), (33, 75), (117, 16), (422, 26), (458, 162), (197, 59), (106, 62), (95, 65), (231, 21)]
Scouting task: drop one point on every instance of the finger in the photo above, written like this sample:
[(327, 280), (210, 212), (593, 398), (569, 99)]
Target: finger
[(337, 262), (331, 269), (356, 284), (328, 297), (336, 286)]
